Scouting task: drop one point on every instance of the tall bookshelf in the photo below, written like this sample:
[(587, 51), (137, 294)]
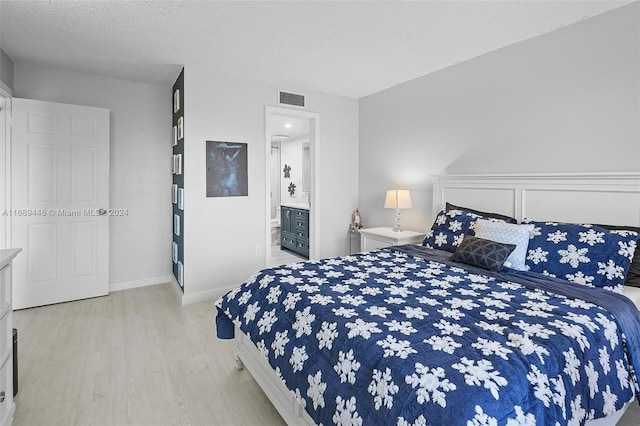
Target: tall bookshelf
[(177, 187)]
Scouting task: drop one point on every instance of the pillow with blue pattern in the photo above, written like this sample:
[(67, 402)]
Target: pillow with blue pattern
[(450, 227), (581, 253), (633, 274)]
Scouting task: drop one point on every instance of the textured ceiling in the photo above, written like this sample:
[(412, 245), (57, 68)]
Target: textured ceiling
[(346, 48)]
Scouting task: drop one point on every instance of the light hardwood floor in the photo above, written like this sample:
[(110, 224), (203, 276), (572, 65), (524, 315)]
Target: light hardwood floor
[(134, 357), (137, 357), (283, 257)]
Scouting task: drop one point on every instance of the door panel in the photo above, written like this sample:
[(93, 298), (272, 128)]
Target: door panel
[(83, 168), (41, 175), (41, 122), (42, 256), (83, 241), (60, 178)]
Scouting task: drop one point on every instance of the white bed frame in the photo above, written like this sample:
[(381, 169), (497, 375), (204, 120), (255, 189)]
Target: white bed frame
[(606, 198), (289, 407)]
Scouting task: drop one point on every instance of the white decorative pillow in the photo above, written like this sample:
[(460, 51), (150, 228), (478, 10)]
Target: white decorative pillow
[(507, 233)]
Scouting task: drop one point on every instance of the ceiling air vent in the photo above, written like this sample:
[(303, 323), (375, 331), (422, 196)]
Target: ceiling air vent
[(291, 99)]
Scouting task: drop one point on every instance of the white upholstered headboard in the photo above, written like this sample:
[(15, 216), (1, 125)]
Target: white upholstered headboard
[(605, 198)]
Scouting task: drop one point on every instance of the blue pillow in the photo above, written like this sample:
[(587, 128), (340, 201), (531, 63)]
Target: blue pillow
[(449, 229), (580, 253)]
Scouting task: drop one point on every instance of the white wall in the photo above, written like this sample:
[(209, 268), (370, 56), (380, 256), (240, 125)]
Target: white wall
[(140, 244), (566, 101), (221, 234), (291, 152), (6, 71)]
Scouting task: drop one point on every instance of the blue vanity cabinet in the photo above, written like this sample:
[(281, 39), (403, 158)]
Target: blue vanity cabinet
[(287, 234), (301, 228), (294, 230)]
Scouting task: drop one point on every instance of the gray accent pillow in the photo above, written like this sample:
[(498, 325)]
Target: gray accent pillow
[(482, 253)]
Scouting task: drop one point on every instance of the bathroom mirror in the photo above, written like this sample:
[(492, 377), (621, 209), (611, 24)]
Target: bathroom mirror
[(306, 168)]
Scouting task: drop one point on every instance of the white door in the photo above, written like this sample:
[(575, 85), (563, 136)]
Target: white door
[(59, 202)]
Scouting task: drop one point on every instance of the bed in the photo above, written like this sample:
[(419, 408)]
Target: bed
[(440, 334)]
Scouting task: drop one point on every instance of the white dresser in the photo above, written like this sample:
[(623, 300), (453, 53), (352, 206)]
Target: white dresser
[(7, 406)]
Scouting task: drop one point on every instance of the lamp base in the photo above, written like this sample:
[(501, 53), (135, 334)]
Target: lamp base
[(397, 227)]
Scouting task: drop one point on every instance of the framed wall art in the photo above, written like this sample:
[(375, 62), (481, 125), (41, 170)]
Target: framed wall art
[(176, 100), (177, 166), (227, 174), (176, 224), (180, 128)]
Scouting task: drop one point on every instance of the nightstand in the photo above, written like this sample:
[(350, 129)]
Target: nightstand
[(354, 241), (375, 238)]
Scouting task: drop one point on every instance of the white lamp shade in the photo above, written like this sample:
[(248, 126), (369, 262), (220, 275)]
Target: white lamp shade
[(398, 199)]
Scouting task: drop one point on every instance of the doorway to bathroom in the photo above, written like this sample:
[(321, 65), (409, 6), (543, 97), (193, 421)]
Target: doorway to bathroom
[(291, 185)]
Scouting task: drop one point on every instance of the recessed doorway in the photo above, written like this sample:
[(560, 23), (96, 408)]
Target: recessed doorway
[(291, 183)]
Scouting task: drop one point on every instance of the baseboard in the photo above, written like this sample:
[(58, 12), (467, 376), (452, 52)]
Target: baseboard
[(184, 299), (177, 290), (203, 296), (125, 285)]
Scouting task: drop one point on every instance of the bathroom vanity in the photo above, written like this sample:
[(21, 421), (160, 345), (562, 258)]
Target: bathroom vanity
[(294, 229)]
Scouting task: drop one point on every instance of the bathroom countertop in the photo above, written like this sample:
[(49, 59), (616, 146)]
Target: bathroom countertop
[(303, 206)]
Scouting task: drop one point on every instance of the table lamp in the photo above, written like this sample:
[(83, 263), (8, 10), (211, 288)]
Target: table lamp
[(397, 199)]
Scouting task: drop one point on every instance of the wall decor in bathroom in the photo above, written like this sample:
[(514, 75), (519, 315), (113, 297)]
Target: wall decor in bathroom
[(292, 189), (227, 174), (287, 171)]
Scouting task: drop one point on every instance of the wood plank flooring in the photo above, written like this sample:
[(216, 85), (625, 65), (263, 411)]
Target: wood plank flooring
[(283, 257), (137, 357), (134, 357)]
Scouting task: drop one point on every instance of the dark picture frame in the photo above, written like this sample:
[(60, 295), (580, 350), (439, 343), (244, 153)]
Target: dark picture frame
[(227, 172)]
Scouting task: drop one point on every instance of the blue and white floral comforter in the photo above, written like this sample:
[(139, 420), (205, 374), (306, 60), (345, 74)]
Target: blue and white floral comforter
[(390, 337)]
